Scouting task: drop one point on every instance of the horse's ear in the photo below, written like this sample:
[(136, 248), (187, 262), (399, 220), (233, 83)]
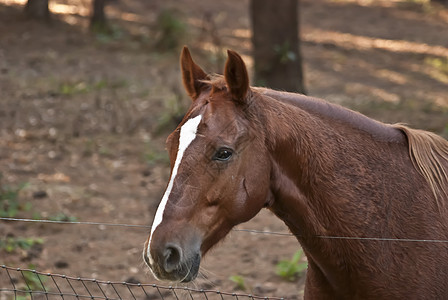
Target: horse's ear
[(192, 74), (236, 76)]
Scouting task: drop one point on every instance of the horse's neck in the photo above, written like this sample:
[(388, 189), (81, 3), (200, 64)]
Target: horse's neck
[(302, 149), (336, 113), (309, 146), (308, 149), (344, 175)]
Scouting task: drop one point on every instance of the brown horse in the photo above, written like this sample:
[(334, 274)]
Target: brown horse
[(323, 169)]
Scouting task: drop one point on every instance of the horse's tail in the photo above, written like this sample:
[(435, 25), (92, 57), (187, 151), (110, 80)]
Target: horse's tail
[(429, 154)]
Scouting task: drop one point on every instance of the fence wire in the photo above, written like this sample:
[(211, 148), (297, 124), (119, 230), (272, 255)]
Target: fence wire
[(287, 234), (31, 284), (27, 284)]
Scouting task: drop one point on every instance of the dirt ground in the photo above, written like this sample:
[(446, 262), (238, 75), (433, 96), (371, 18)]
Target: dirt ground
[(83, 118)]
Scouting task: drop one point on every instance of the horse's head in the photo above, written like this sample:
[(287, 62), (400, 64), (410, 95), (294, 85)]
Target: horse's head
[(219, 171)]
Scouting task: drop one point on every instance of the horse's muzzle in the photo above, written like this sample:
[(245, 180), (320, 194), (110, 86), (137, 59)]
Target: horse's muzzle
[(172, 263)]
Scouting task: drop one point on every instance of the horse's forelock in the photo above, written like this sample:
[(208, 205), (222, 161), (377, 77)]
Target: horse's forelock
[(216, 82)]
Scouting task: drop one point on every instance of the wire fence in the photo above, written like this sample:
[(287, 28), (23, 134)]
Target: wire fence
[(31, 284), (384, 239), (23, 284)]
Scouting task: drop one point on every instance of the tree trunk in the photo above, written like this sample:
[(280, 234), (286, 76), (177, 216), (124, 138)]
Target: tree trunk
[(98, 20), (444, 2), (275, 38), (37, 9)]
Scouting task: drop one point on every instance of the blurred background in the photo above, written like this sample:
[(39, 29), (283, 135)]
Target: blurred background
[(89, 90)]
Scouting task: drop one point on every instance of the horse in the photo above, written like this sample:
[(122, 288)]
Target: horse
[(377, 191)]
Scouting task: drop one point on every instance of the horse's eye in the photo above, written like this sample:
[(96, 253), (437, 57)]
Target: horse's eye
[(223, 154)]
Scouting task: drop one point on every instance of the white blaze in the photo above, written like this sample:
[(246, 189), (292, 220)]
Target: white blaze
[(186, 136)]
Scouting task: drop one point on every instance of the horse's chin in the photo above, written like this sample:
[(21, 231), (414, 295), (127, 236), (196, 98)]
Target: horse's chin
[(193, 269), (188, 271)]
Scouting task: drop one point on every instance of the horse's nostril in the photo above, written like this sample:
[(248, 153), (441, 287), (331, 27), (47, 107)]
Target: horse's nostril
[(172, 256)]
